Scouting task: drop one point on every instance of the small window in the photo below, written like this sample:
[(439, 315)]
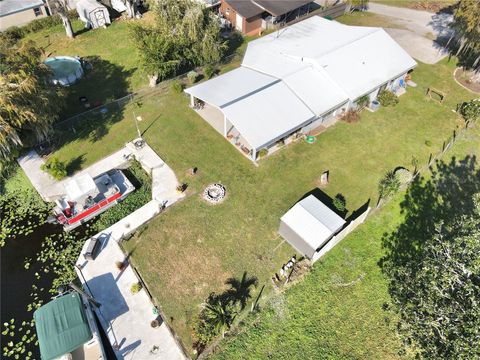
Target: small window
[(37, 11)]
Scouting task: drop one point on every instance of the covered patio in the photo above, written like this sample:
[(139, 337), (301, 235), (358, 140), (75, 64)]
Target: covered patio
[(252, 110)]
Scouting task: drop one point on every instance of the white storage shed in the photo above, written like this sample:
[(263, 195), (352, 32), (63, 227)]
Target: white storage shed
[(309, 225)]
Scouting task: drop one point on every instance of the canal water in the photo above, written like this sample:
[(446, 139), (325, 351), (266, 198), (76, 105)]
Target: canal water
[(16, 281)]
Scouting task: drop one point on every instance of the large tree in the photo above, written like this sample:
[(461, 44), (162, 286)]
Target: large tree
[(433, 264), (60, 7), (184, 34), (29, 104), (466, 38)]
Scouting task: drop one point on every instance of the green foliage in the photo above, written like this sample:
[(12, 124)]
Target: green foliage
[(470, 110), (388, 185), (262, 152), (138, 198), (363, 101), (21, 211), (340, 203), (208, 71), (29, 103), (216, 317), (55, 167), (387, 98), (466, 18), (192, 77), (177, 87), (135, 288), (432, 264), (183, 35)]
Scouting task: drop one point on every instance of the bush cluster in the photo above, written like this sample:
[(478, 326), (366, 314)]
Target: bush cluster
[(177, 87), (55, 167), (208, 71), (387, 98), (470, 110), (192, 77)]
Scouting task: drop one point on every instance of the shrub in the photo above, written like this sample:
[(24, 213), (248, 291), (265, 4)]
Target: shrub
[(470, 110), (12, 35), (135, 288), (55, 167), (387, 98), (363, 101), (262, 152), (177, 87), (388, 185), (351, 116), (340, 203), (192, 77), (208, 71)]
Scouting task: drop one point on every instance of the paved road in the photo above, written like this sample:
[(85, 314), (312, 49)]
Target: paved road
[(419, 31)]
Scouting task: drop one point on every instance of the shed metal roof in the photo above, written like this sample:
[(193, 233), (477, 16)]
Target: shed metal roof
[(313, 221), (61, 326)]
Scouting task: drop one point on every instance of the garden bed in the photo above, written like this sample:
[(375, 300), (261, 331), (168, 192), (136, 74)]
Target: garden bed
[(463, 78)]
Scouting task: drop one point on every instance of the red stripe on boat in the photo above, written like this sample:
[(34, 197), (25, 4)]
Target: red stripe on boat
[(93, 209)]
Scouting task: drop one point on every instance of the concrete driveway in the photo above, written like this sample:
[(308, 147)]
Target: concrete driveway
[(420, 31)]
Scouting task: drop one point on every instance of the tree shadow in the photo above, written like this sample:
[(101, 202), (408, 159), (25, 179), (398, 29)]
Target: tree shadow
[(240, 289), (75, 164), (91, 98), (327, 201), (442, 198)]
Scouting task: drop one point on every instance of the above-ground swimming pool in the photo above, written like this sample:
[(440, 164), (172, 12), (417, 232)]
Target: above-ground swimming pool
[(66, 69)]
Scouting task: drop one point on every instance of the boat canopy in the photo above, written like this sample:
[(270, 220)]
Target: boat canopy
[(80, 186), (62, 326)]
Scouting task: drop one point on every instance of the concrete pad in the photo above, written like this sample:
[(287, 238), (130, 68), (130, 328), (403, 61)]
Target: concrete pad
[(125, 317), (418, 47)]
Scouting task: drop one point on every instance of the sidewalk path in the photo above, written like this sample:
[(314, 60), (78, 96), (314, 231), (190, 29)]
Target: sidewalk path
[(124, 316), (422, 31)]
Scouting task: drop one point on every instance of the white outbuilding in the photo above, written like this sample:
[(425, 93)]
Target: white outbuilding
[(297, 79), (309, 225), (92, 13)]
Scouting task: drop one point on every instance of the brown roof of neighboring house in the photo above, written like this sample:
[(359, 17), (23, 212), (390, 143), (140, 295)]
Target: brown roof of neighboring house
[(280, 7), (245, 8)]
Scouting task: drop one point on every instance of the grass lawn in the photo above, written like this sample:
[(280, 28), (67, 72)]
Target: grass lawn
[(369, 19), (193, 248), (336, 312)]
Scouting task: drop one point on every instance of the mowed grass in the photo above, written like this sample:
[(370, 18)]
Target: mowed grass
[(191, 249)]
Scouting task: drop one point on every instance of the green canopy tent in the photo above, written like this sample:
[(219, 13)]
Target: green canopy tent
[(62, 326)]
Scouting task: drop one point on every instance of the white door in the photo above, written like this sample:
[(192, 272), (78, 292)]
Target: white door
[(239, 22)]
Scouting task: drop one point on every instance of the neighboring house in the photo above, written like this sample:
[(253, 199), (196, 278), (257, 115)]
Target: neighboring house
[(20, 12), (298, 79), (251, 16)]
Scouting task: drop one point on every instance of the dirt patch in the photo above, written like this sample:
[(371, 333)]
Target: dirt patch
[(463, 78), (431, 6)]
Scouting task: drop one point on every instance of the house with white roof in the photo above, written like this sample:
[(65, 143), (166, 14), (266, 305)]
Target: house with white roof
[(298, 79), (20, 12)]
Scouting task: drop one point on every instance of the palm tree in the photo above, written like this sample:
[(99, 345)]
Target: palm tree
[(240, 290), (219, 313)]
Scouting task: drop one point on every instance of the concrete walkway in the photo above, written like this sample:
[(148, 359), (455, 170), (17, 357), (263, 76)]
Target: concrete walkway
[(419, 31), (125, 317)]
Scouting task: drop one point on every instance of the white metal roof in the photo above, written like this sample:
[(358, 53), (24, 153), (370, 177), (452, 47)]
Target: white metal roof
[(231, 86), (79, 187), (268, 114), (8, 7), (321, 64), (313, 221)]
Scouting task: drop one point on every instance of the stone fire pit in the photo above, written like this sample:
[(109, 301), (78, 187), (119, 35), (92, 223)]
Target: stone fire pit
[(214, 193)]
